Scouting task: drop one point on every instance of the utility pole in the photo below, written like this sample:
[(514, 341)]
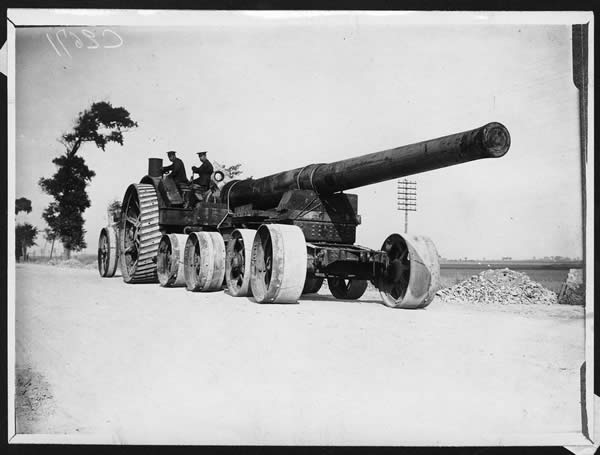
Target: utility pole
[(407, 199)]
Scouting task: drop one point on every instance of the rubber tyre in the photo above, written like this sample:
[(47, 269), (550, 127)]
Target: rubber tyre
[(238, 262), (312, 285), (349, 289)]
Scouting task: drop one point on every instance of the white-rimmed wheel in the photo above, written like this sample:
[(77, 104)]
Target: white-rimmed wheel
[(278, 267), (169, 261), (237, 262), (204, 261), (108, 252), (139, 234), (412, 276), (346, 289)]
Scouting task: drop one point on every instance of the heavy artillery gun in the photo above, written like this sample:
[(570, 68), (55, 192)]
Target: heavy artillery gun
[(278, 237)]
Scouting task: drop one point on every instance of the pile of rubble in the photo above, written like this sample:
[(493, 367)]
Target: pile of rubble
[(503, 286)]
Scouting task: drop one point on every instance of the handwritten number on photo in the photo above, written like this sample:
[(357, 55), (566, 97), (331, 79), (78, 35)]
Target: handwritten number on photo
[(78, 43), (60, 41), (116, 35), (90, 35), (110, 40)]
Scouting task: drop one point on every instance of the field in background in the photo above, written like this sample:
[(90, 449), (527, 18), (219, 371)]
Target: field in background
[(549, 275)]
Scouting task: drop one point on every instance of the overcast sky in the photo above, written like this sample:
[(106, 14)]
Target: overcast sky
[(274, 97)]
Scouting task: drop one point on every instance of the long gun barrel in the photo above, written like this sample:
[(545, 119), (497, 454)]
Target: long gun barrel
[(489, 141)]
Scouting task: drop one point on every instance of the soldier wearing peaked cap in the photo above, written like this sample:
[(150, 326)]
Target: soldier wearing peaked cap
[(176, 169), (201, 186), (204, 172)]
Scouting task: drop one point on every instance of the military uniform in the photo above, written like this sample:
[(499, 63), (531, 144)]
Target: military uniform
[(201, 186), (204, 174), (177, 171)]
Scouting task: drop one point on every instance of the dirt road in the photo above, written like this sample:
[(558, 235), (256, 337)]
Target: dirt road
[(141, 363)]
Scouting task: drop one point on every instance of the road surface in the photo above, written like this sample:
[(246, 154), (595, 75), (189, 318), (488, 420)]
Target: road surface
[(145, 364)]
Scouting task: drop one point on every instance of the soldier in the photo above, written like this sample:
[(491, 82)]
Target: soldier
[(201, 185), (177, 169), (204, 172)]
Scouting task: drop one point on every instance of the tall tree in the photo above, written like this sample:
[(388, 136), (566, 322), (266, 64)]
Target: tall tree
[(68, 187), (25, 234), (22, 205), (101, 123)]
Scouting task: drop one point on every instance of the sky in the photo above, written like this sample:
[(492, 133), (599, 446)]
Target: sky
[(274, 96)]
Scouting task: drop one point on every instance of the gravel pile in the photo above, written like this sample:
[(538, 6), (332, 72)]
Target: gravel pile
[(503, 286)]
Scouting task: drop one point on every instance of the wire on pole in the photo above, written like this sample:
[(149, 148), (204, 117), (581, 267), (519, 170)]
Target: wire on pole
[(406, 199)]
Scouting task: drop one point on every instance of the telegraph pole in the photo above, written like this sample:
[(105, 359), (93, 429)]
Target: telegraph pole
[(407, 199)]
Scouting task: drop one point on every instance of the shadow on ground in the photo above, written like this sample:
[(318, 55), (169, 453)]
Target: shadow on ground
[(330, 298)]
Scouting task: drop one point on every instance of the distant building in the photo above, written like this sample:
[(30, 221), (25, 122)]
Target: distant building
[(506, 258)]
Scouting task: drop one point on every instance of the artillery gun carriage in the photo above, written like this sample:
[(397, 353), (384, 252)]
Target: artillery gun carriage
[(278, 237)]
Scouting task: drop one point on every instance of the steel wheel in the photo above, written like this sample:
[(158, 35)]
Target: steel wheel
[(139, 234), (169, 261), (204, 261), (413, 274), (278, 265), (237, 263), (107, 252), (347, 289), (397, 274), (312, 284)]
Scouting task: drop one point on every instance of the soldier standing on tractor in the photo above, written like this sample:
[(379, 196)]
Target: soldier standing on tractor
[(201, 185)]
